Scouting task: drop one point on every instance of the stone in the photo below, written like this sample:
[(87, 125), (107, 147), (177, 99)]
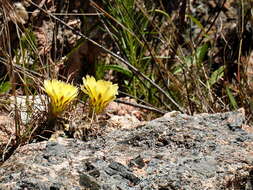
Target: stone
[(174, 152)]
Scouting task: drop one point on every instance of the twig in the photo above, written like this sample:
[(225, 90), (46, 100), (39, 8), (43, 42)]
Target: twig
[(241, 39), (211, 25), (141, 106)]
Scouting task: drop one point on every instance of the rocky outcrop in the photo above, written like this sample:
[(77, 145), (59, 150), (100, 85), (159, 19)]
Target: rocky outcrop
[(173, 152)]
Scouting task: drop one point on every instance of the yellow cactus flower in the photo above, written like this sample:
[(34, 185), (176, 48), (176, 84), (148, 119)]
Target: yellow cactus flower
[(101, 92), (61, 95)]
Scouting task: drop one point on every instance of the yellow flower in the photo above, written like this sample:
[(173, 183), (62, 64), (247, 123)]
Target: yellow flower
[(60, 93), (101, 92)]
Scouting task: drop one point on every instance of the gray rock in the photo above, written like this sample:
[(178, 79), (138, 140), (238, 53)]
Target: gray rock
[(177, 152)]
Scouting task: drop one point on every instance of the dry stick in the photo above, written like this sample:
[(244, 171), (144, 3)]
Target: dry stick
[(135, 70), (211, 25), (136, 98), (6, 9), (157, 62), (92, 3), (241, 39), (141, 106), (169, 74), (180, 27), (150, 107)]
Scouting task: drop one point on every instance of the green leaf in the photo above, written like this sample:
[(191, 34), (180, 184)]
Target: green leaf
[(28, 40), (76, 47), (162, 12), (5, 87), (231, 98), (201, 52), (120, 69), (216, 76), (196, 21)]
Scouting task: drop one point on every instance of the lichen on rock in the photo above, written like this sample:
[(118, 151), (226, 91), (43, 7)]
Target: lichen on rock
[(177, 151)]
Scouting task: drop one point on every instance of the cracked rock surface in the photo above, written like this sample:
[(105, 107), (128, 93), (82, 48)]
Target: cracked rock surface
[(177, 151)]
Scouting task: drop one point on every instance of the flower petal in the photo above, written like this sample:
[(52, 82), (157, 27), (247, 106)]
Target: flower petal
[(60, 93), (101, 92)]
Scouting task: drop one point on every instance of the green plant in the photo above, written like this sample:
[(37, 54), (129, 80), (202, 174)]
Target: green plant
[(128, 29)]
